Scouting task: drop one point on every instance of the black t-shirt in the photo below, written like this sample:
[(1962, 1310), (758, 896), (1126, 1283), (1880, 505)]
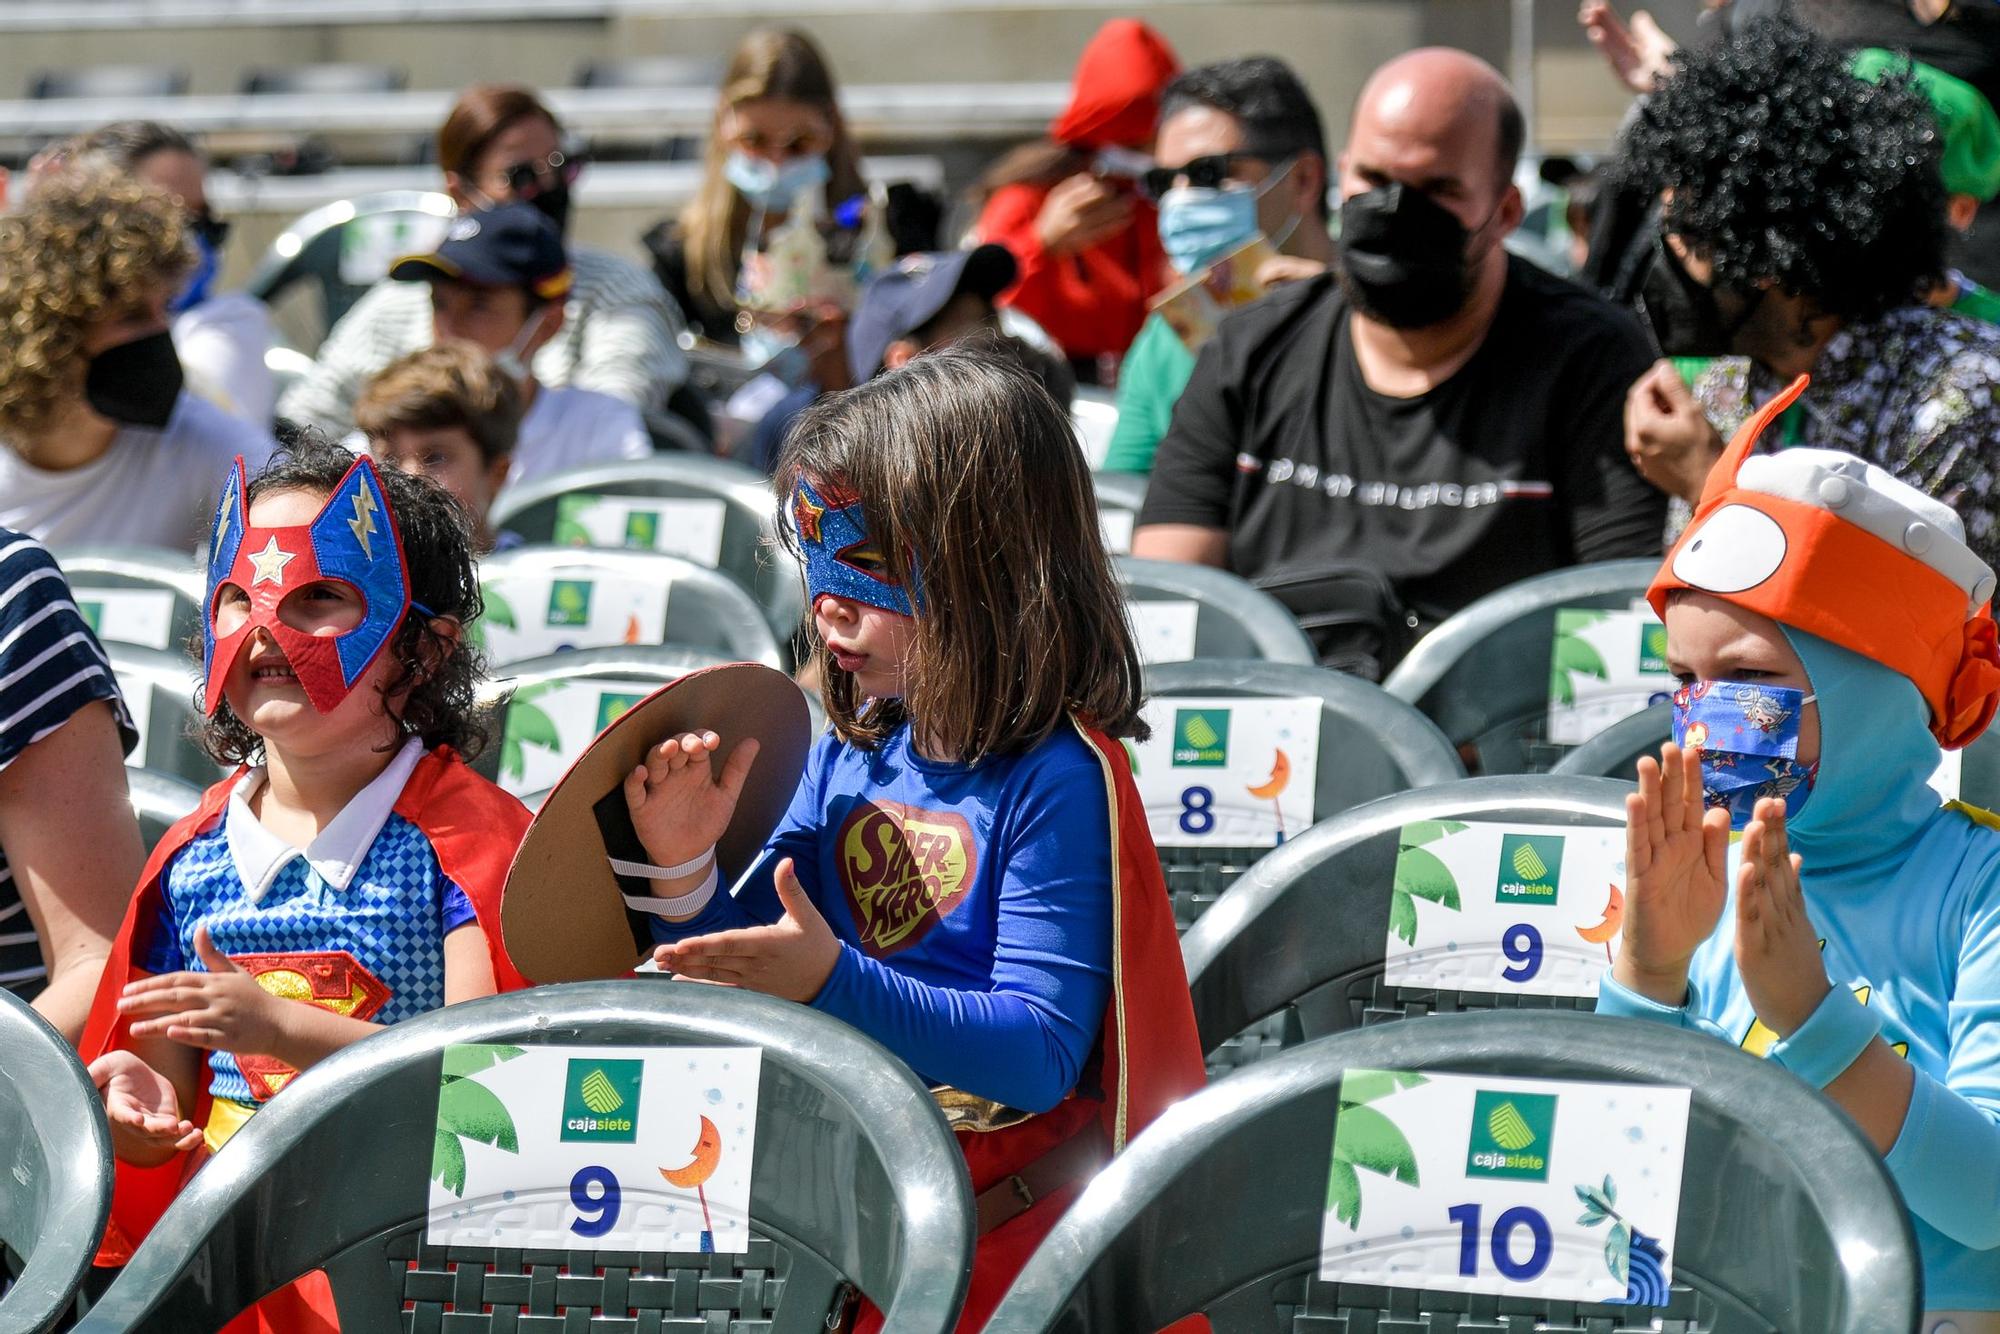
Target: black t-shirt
[(1513, 466)]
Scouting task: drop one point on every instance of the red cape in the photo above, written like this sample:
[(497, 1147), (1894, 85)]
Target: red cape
[(473, 827)]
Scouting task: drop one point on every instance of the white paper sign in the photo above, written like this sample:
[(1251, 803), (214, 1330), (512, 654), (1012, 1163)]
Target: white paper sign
[(1603, 666), (528, 615), (1526, 909), (595, 1148), (1522, 1187), (372, 242), (548, 725), (1164, 631), (684, 527), (142, 616), (1228, 772), (1116, 526)]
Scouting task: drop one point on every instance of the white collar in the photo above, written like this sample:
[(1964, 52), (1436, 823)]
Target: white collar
[(338, 850)]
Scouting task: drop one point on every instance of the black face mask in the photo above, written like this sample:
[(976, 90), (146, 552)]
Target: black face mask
[(135, 383), (1402, 257), (1682, 315), (553, 204)]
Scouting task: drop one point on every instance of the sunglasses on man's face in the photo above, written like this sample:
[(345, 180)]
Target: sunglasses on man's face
[(1203, 173), (528, 179)]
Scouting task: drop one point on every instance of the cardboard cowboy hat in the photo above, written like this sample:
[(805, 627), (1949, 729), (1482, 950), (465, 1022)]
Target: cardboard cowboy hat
[(563, 913)]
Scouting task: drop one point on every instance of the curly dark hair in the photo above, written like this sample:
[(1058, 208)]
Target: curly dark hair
[(1784, 168), (430, 694)]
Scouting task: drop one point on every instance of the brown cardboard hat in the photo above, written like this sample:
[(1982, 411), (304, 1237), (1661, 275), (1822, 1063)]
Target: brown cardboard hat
[(562, 914)]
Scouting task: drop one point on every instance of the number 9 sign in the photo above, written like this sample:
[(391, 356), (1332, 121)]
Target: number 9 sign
[(599, 1212)]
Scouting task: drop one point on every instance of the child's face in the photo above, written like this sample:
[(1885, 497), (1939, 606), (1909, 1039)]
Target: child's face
[(449, 457), (261, 687), (870, 643), (1709, 639)]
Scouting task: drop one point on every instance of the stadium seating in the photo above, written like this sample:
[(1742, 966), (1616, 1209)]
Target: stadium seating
[(1370, 745), (1483, 675), (95, 82), (159, 689), (58, 1151), (1119, 496), (145, 596), (856, 1182), (158, 800), (1303, 933), (1180, 612), (337, 252), (1615, 752), (336, 79), (1219, 1205)]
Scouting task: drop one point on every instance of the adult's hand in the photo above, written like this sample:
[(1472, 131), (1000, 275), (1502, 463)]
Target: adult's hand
[(1667, 436), (1640, 55), (1080, 212)]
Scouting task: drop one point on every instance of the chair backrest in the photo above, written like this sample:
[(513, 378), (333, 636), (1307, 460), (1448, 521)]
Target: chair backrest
[(702, 509), (159, 687), (337, 78), (1219, 1205), (1370, 744), (543, 600), (855, 1181), (1304, 932), (1094, 414), (1483, 675), (342, 249), (158, 800), (109, 81), (1615, 752), (1119, 496), (149, 597), (1181, 612), (58, 1153)]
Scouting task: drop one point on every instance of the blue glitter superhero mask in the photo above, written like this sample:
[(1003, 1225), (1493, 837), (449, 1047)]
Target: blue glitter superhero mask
[(841, 558), (1748, 735)]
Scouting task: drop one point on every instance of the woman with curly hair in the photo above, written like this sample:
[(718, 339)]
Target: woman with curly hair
[(101, 441)]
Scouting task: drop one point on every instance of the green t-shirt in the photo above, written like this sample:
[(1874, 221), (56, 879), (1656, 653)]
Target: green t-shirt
[(1150, 381), (1975, 300)]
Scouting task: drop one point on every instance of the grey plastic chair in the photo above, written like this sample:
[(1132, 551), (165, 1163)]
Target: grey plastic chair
[(174, 573), (706, 609), (160, 685), (1615, 752), (1788, 1221), (857, 1184), (158, 800), (1483, 675), (1233, 619), (1370, 745), (1299, 940), (1119, 490), (309, 251), (57, 1153), (749, 554)]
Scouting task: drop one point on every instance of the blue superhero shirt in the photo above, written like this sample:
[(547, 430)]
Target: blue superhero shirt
[(1906, 896), (973, 907)]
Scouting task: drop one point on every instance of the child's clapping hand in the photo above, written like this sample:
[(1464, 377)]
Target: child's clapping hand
[(790, 959), (142, 1109), (679, 807), (1777, 949), (223, 1009)]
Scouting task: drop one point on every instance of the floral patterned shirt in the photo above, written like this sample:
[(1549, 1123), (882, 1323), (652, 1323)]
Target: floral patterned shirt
[(1916, 392)]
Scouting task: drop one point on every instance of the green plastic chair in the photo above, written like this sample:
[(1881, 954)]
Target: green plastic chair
[(57, 1155), (1788, 1221), (122, 570), (857, 1186), (1233, 618), (1294, 949), (1483, 675), (1371, 744), (159, 687)]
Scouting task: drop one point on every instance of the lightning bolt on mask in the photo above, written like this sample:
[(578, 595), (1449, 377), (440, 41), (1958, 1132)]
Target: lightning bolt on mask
[(353, 540), (841, 557)]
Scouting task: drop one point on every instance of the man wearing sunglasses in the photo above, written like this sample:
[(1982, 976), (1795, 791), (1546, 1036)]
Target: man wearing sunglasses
[(1378, 448), (1240, 154)]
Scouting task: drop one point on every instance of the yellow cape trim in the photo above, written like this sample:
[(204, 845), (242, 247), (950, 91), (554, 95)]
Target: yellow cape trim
[(1117, 936)]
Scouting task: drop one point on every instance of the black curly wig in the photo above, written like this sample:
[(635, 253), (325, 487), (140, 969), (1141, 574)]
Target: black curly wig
[(1785, 169), (431, 690)]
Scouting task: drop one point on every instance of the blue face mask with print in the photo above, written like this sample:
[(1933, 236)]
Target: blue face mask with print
[(199, 280), (1748, 735), (772, 186)]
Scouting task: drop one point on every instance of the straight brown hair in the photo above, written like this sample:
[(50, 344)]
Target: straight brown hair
[(480, 114), (976, 492)]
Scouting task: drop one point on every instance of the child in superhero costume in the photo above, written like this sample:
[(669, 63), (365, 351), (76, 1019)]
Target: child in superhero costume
[(350, 880), (1832, 629), (965, 872)]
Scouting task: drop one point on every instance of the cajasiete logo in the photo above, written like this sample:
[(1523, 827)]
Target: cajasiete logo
[(1530, 868), (642, 529), (569, 602), (613, 705), (1201, 738), (1653, 649), (1510, 1135), (904, 869), (601, 1100)]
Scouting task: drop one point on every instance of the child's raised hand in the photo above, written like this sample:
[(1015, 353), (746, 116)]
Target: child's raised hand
[(1675, 875), (1777, 950), (791, 958), (222, 1009), (142, 1108), (679, 807)]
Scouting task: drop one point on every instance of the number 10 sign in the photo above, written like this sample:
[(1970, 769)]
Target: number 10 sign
[(598, 1148)]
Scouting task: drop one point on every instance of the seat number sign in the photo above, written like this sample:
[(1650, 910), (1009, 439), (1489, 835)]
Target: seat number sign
[(1604, 665), (1521, 1187), (1228, 771), (688, 528), (1506, 908), (595, 1148)]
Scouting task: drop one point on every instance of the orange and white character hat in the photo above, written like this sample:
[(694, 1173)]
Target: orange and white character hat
[(1830, 544)]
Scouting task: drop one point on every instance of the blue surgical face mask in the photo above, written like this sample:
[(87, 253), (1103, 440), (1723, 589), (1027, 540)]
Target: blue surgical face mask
[(776, 354), (199, 280), (1199, 224), (772, 186), (1748, 735)]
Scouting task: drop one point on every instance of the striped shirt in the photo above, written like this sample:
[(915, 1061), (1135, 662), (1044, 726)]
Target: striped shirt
[(50, 667), (618, 337)]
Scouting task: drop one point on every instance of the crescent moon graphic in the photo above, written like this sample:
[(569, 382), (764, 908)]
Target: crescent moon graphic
[(707, 1153)]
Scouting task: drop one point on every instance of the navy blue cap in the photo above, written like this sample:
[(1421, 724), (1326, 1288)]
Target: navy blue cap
[(905, 298), (509, 245)]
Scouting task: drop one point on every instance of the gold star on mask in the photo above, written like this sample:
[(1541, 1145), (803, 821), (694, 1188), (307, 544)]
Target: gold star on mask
[(271, 563)]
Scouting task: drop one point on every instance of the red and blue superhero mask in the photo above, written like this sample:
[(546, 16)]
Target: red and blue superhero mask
[(1748, 735), (841, 558), (352, 540)]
